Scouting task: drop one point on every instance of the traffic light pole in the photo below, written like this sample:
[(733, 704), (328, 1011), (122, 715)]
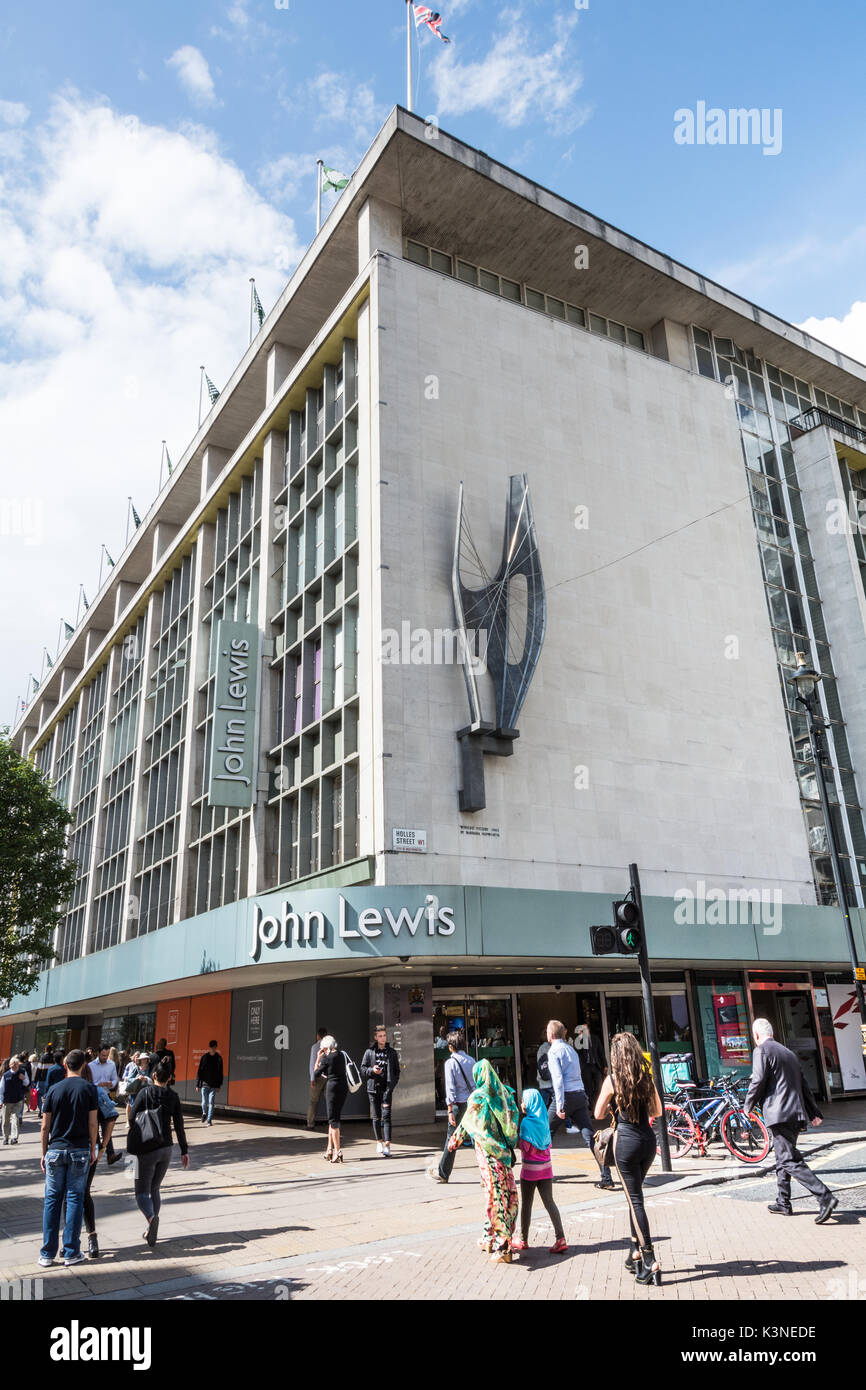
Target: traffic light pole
[(650, 1018)]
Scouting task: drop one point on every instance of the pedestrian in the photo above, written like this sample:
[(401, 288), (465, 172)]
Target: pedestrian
[(104, 1075), (459, 1086), (114, 1059), (380, 1068), (331, 1064), (155, 1110), (593, 1067), (135, 1075), (43, 1067), (628, 1093), (13, 1089), (209, 1079), (56, 1073), (106, 1120), (33, 1095), (569, 1102), (542, 1072), (27, 1067), (491, 1120), (536, 1171), (787, 1104), (165, 1054), (317, 1083), (70, 1115)]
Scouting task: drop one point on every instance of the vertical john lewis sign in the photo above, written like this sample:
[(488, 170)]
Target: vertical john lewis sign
[(232, 778)]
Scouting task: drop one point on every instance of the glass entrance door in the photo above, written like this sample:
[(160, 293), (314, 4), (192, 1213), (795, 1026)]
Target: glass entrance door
[(486, 1024), (795, 1018)]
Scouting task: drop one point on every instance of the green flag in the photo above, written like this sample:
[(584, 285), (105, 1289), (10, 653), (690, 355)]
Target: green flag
[(68, 630), (331, 178), (136, 518), (211, 390), (108, 557), (168, 461), (35, 684), (84, 599), (48, 659), (257, 305)]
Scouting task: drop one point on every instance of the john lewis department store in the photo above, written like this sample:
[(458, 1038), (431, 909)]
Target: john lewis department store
[(294, 805)]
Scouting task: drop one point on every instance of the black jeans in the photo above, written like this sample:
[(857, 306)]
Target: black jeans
[(446, 1162), (791, 1164), (152, 1168), (633, 1153), (576, 1113), (545, 1192), (380, 1113)]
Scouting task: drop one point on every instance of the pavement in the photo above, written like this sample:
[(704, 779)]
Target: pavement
[(259, 1215)]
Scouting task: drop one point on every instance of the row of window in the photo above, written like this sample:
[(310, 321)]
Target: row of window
[(519, 293)]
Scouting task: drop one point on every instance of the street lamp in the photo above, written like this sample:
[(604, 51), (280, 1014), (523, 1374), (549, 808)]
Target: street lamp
[(805, 681)]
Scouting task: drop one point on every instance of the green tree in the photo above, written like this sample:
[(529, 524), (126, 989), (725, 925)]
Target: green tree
[(36, 877)]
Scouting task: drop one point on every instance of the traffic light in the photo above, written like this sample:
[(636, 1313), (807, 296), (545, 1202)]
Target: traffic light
[(627, 927), (624, 937)]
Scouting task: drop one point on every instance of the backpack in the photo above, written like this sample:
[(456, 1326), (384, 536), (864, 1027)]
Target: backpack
[(543, 1068), (353, 1076)]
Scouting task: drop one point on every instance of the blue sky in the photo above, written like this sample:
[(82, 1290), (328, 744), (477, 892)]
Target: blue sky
[(153, 156)]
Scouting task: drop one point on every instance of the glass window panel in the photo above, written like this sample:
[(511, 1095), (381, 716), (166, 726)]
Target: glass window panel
[(724, 347), (509, 289), (575, 315), (488, 281), (706, 366), (467, 273), (416, 252), (439, 261), (556, 307), (701, 338), (597, 324), (616, 331), (534, 300), (635, 339)]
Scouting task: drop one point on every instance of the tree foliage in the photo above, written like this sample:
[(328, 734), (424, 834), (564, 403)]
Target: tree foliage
[(36, 877)]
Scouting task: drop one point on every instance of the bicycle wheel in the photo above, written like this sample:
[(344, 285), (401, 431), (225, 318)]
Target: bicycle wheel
[(745, 1135), (681, 1130)]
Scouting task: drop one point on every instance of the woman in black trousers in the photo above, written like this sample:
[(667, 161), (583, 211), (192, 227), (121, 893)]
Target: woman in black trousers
[(629, 1094), (332, 1065), (154, 1111), (380, 1068)]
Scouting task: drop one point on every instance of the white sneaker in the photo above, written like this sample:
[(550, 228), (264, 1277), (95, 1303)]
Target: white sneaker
[(570, 1129), (386, 1151), (379, 1148), (74, 1259), (44, 1262)]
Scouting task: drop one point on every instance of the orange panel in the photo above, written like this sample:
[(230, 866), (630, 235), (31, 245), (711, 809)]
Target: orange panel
[(210, 1016), (5, 1040), (262, 1094), (172, 1023)]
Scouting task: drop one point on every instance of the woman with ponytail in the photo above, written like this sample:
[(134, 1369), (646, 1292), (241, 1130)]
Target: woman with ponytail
[(629, 1094), (491, 1121)]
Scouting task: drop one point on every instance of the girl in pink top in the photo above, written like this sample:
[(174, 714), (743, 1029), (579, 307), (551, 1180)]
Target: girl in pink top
[(536, 1171)]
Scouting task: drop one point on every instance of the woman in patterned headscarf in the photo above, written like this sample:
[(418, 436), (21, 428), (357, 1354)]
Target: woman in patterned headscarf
[(491, 1121)]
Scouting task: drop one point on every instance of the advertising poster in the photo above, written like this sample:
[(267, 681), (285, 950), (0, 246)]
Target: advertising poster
[(732, 1034), (849, 1041)]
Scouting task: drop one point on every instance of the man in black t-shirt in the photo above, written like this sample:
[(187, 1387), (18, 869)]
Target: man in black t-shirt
[(70, 1144)]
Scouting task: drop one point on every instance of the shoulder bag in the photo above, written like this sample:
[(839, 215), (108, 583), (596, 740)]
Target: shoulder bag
[(602, 1141)]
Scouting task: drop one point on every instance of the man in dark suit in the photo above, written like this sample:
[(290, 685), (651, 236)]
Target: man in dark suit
[(779, 1085)]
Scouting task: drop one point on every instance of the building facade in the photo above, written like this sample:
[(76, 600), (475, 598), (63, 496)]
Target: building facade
[(255, 726)]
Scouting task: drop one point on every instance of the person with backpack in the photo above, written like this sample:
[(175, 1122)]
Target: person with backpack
[(459, 1086), (155, 1109), (491, 1120), (380, 1068), (13, 1092), (332, 1064)]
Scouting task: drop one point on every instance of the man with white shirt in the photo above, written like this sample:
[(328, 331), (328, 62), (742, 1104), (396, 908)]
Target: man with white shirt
[(104, 1075), (317, 1083), (569, 1102)]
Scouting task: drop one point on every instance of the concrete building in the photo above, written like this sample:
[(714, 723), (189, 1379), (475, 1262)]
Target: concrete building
[(255, 724)]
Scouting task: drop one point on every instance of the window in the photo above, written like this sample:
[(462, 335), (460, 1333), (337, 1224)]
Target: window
[(535, 300), (489, 282), (416, 252), (439, 261), (467, 273)]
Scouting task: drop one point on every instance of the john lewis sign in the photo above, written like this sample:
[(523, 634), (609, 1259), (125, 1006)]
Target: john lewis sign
[(232, 774), (383, 925)]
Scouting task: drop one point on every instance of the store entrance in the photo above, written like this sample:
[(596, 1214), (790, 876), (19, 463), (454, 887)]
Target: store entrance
[(790, 1012), (488, 1027), (534, 1012)]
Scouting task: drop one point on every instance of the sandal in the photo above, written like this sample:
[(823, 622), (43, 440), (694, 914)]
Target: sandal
[(560, 1247), (518, 1245)]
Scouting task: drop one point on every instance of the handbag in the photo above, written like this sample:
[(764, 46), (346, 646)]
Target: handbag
[(146, 1128), (353, 1076), (602, 1142)]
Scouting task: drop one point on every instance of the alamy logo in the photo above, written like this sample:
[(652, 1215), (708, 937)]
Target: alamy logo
[(737, 126), (438, 646), (719, 907), (77, 1343)]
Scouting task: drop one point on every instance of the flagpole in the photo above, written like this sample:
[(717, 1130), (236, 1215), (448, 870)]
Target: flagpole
[(319, 165), (408, 55), (200, 388)]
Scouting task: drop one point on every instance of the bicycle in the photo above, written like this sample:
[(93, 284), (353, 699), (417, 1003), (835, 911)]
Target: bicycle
[(723, 1115)]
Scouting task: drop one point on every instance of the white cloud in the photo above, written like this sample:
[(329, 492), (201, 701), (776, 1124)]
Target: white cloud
[(125, 252), (13, 112), (193, 74), (514, 82), (339, 100), (847, 334)]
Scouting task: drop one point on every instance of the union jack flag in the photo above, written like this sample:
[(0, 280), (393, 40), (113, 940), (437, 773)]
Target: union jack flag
[(433, 20)]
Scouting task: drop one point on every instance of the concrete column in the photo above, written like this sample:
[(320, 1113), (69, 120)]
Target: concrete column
[(380, 228), (193, 742), (138, 808), (92, 642), (273, 478), (670, 342), (213, 462), (46, 709), (164, 532), (281, 360), (98, 833), (124, 593), (68, 677)]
